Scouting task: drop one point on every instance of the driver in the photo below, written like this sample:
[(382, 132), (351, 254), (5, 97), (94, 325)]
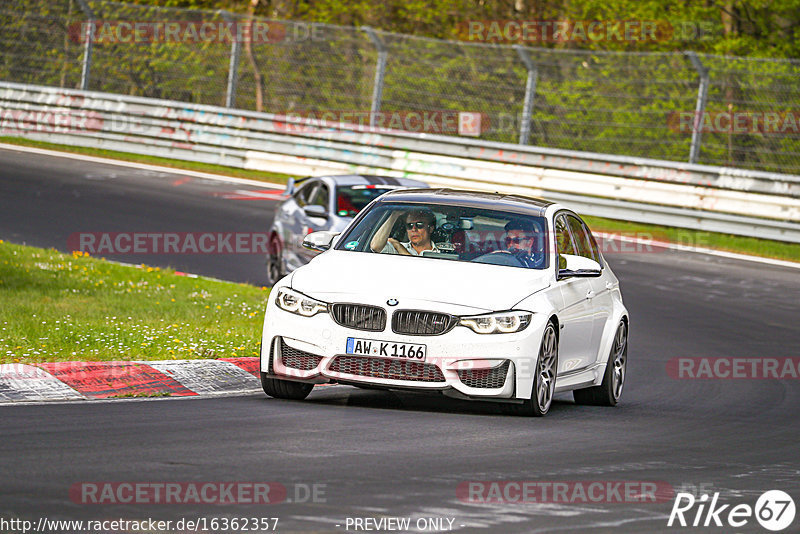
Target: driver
[(520, 239), (419, 225)]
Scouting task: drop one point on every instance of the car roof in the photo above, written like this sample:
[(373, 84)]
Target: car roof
[(474, 199), (368, 179)]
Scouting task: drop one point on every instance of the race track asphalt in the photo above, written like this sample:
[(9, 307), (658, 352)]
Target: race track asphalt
[(45, 200), (393, 454)]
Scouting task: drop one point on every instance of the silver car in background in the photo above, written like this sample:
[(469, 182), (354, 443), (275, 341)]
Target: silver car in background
[(320, 203)]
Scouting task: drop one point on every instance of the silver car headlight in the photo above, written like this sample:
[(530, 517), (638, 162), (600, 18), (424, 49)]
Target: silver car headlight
[(498, 323), (295, 302)]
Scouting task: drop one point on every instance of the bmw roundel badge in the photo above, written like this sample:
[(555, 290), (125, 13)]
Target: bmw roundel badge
[(392, 302)]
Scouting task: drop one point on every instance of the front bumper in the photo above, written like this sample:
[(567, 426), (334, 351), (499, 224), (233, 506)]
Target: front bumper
[(459, 362)]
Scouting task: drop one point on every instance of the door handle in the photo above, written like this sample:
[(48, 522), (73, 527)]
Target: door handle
[(590, 294)]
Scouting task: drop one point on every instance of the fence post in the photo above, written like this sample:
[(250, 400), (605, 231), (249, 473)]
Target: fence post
[(88, 43), (530, 92), (700, 107), (233, 64), (380, 70)]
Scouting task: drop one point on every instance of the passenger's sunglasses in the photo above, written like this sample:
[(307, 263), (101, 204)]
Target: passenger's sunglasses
[(419, 225)]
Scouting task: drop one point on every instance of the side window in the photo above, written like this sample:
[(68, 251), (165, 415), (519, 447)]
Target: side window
[(583, 243), (320, 196), (593, 241), (564, 243), (302, 195)]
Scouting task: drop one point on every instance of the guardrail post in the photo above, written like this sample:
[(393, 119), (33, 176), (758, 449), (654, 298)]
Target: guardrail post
[(233, 64), (530, 93), (380, 70), (700, 107), (86, 66)]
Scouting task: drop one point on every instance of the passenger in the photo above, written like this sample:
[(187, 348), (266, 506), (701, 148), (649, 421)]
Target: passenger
[(419, 224)]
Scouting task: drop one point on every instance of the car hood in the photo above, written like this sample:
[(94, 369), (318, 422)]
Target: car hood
[(365, 277)]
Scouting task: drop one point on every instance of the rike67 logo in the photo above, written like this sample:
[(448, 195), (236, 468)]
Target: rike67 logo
[(774, 510)]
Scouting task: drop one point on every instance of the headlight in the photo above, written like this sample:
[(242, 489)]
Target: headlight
[(498, 323), (294, 302)]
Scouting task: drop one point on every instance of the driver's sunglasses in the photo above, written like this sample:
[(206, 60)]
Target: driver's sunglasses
[(419, 225), (518, 240)]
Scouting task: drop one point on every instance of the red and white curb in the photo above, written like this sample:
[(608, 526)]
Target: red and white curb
[(59, 381)]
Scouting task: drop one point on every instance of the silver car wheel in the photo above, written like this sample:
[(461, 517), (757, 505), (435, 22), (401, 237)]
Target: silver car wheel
[(548, 355), (274, 261), (620, 354)]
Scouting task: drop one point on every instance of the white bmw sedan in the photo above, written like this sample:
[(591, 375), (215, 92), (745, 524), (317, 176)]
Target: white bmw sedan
[(478, 295)]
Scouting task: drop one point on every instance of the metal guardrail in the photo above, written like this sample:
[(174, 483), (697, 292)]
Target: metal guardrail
[(735, 201), (679, 106)]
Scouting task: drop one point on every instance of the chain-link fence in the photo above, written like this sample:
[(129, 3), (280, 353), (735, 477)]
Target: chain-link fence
[(738, 112)]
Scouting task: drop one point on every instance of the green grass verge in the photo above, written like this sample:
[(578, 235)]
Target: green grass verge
[(262, 176), (61, 307), (742, 245)]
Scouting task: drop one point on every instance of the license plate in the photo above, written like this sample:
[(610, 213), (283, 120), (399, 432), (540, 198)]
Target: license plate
[(386, 349)]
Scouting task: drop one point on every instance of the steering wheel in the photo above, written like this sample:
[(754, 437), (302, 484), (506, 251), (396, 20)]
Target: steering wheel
[(525, 259)]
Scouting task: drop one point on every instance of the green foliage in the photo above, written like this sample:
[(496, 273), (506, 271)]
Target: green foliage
[(604, 96), (61, 307)]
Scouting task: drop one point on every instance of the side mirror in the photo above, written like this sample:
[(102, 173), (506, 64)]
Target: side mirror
[(315, 210), (571, 266), (319, 241)]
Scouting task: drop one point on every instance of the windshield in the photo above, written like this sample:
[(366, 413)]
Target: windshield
[(350, 200), (454, 233)]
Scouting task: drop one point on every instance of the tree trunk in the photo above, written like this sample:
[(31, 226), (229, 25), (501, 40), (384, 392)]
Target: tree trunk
[(730, 25), (65, 61), (248, 47)]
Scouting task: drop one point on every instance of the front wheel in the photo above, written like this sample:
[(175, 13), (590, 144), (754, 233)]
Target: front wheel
[(609, 392), (544, 384), (274, 261), (285, 389)]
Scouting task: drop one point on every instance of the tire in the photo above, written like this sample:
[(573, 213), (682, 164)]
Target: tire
[(609, 392), (285, 389), (544, 384), (274, 261)]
